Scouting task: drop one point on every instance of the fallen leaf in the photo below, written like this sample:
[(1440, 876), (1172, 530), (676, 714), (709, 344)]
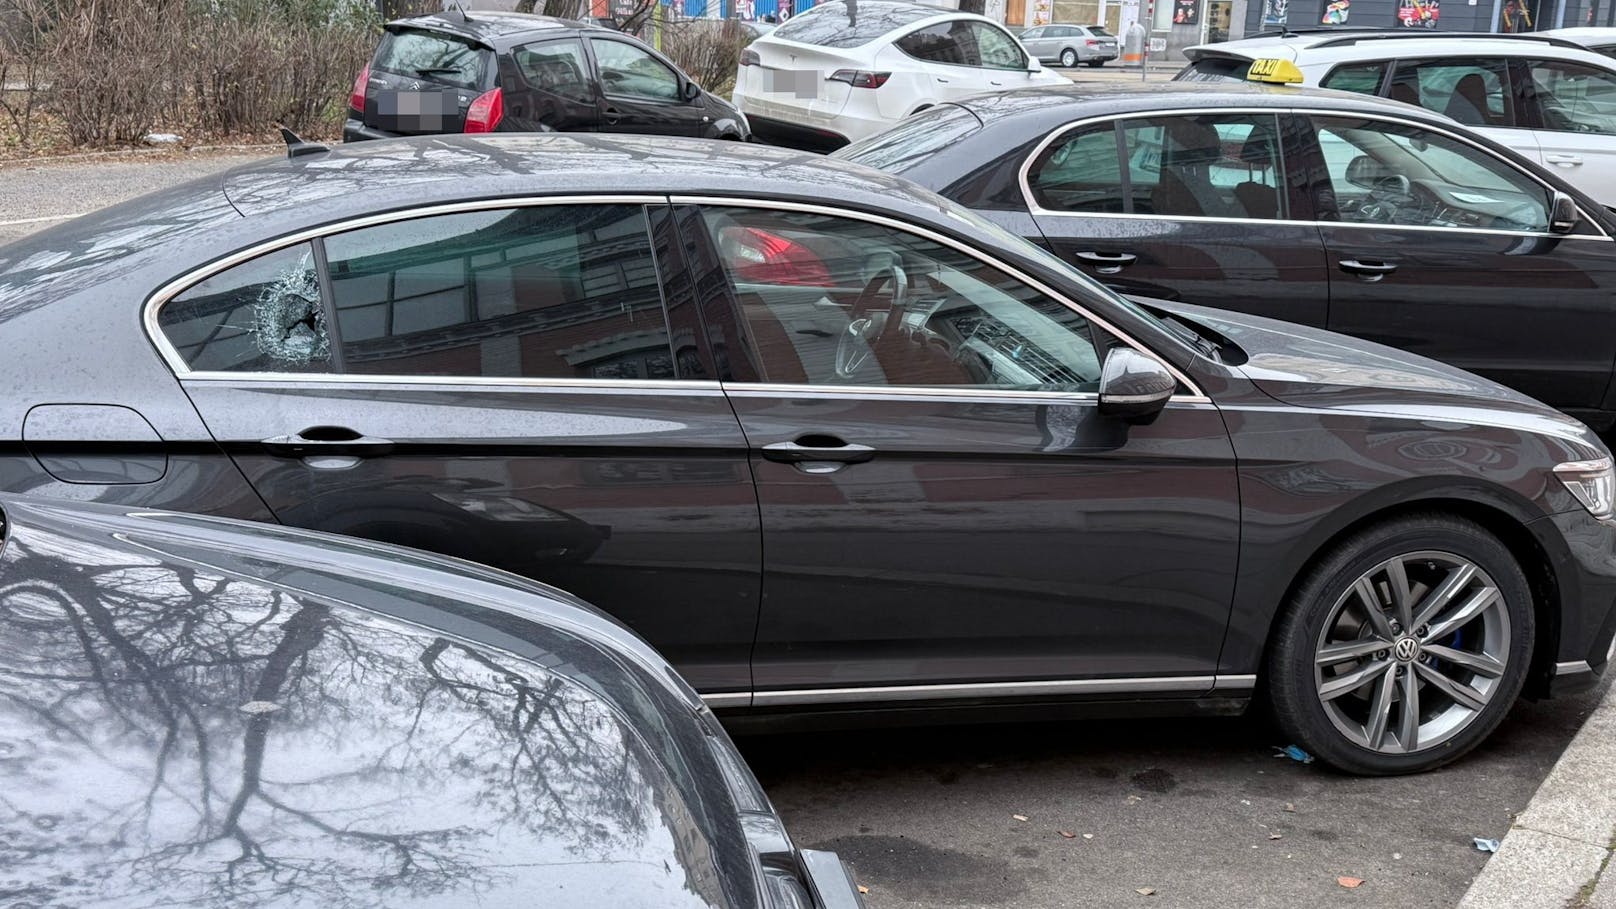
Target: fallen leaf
[(1144, 891), (1289, 807), (1276, 836), (1019, 817), (1068, 834), (1245, 801), (863, 889), (1088, 836), (1134, 798), (1351, 883)]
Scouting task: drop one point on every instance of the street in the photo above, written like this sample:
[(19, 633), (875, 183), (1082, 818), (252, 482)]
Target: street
[(1162, 812)]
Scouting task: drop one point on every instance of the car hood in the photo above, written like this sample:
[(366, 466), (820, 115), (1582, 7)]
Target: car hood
[(195, 711), (1312, 367)]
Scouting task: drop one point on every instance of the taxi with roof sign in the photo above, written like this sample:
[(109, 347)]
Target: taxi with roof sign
[(1549, 96), (1344, 211)]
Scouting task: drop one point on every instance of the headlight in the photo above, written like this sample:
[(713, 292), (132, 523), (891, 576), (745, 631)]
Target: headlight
[(1592, 482)]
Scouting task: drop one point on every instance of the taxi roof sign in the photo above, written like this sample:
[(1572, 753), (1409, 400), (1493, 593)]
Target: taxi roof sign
[(1271, 69)]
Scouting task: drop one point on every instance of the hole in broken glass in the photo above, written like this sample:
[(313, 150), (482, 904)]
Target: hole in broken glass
[(288, 319)]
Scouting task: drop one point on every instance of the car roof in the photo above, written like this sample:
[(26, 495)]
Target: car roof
[(494, 28), (919, 16), (1346, 44), (1061, 103), (360, 704), (1583, 34)]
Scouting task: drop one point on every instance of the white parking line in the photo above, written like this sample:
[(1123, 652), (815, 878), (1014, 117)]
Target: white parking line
[(39, 220)]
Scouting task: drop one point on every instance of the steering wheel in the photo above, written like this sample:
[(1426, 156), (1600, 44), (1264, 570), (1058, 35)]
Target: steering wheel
[(867, 322), (1385, 198)]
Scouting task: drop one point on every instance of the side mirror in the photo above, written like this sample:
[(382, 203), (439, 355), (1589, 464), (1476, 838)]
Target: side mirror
[(1134, 387), (692, 91), (1563, 214)]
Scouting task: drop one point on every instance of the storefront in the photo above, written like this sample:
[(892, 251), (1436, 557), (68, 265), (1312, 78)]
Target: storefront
[(1444, 15)]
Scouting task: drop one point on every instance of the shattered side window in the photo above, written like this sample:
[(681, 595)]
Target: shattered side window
[(264, 315)]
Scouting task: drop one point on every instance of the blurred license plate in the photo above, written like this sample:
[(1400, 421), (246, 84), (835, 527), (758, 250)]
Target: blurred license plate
[(802, 83), (423, 110)]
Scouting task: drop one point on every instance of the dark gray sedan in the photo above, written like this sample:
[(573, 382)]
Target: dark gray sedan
[(196, 711), (827, 440)]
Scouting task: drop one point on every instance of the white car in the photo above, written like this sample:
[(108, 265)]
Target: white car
[(1600, 39), (843, 71), (1545, 97)]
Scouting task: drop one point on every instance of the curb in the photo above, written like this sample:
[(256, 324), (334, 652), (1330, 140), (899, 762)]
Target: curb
[(1558, 851)]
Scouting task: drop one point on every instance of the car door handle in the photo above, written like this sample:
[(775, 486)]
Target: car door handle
[(1563, 160), (1106, 263), (1368, 271), (942, 80), (611, 115), (817, 448), (318, 441)]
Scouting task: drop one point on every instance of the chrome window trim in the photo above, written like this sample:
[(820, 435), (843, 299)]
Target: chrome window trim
[(728, 699), (174, 288), (1194, 394), (688, 386), (930, 392), (1033, 208)]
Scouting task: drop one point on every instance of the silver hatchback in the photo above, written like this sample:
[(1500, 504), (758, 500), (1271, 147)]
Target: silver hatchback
[(1069, 45)]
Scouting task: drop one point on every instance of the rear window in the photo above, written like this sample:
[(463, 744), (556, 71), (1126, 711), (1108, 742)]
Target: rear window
[(828, 24), (433, 56), (1214, 69), (913, 139), (1100, 32)]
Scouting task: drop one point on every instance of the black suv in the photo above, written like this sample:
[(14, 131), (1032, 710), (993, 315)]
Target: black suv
[(489, 71)]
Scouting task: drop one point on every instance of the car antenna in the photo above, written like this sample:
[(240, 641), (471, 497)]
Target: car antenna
[(459, 6), (296, 147)]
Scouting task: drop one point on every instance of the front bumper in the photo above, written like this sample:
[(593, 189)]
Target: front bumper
[(1582, 558)]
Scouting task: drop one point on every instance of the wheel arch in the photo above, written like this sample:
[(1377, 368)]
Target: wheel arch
[(1501, 512)]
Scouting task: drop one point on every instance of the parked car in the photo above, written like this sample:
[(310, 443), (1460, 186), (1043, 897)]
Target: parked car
[(1600, 40), (486, 71), (202, 711), (1547, 98), (1070, 45), (833, 442), (1347, 212), (840, 71)]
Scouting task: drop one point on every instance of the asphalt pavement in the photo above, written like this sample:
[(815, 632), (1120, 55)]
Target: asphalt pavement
[(1197, 812)]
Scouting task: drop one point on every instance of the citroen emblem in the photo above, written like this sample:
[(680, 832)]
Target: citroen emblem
[(1406, 650)]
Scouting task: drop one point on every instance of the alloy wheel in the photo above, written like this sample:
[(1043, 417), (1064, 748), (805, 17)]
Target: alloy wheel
[(1412, 652)]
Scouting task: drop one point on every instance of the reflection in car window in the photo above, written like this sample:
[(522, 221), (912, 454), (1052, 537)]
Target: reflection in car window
[(913, 140), (836, 301), (433, 55), (1473, 92), (628, 71), (1080, 173), (264, 315), (828, 25), (557, 67), (997, 49), (1574, 97), (946, 42), (1363, 78), (540, 292), (1390, 173)]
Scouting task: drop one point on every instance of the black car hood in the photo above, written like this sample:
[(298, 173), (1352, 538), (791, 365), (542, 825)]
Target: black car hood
[(1317, 368), (196, 712)]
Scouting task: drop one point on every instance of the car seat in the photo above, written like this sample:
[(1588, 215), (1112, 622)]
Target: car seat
[(1468, 103), (1189, 149)]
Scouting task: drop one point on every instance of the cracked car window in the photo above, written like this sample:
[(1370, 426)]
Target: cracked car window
[(264, 315)]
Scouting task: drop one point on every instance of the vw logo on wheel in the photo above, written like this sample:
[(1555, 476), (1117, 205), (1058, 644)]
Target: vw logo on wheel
[(1406, 650)]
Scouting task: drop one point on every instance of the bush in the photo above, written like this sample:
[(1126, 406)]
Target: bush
[(111, 71), (708, 50)]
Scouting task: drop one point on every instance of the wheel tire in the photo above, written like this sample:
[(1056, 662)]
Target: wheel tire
[(1096, 63), (1328, 592), (1068, 58)]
